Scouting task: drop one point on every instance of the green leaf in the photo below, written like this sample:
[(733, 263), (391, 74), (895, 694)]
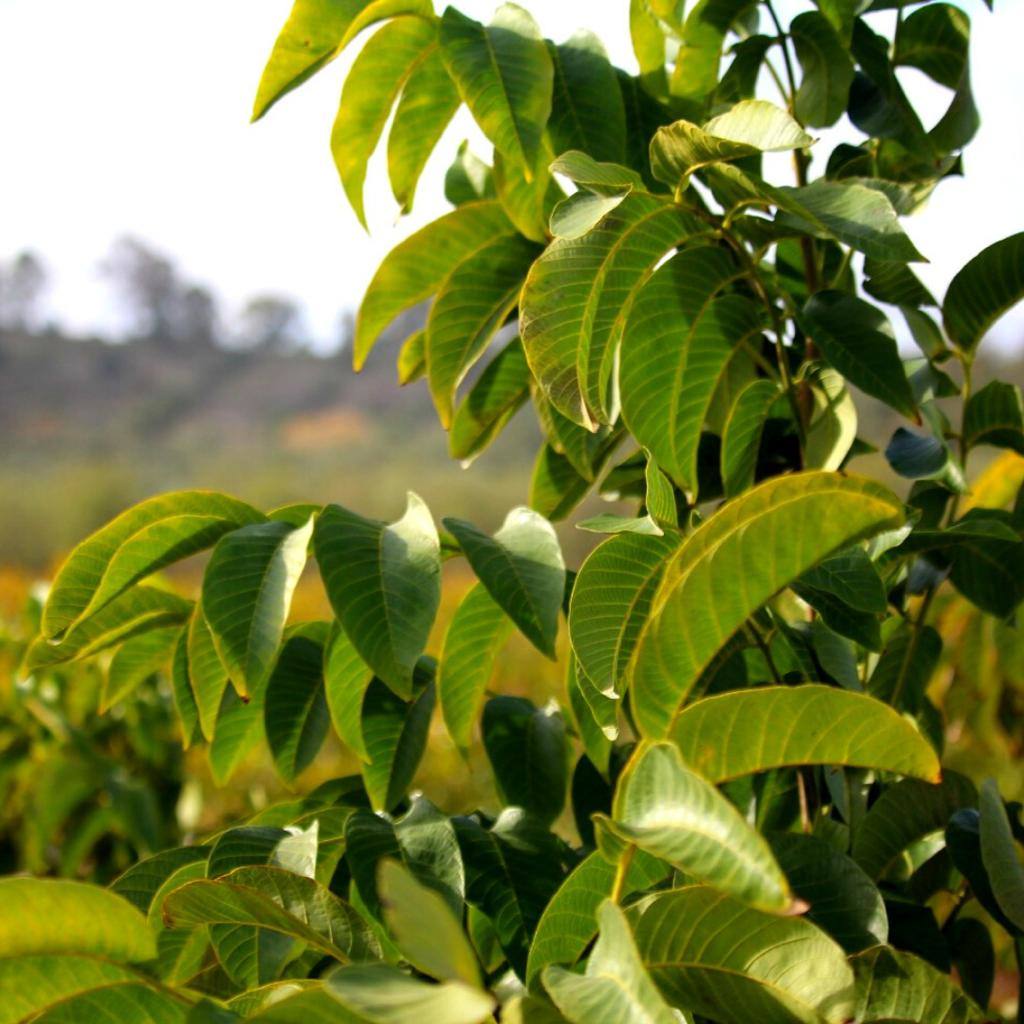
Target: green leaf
[(723, 960), (827, 70), (982, 291), (295, 715), (428, 102), (504, 75), (734, 734), (935, 40), (676, 815), (184, 699), (468, 178), (680, 341), (577, 296), (424, 929), (238, 729), (395, 734), (146, 538), (851, 576), (512, 871), (995, 415), (748, 128), (896, 284), (139, 884), (495, 397), (207, 676), (378, 74), (904, 813), (741, 440), (476, 635), (924, 457), (138, 1001), (587, 112), (411, 362), (616, 987), (132, 613), (135, 661), (247, 591), (852, 213), (894, 987), (415, 269), (702, 41), (385, 995), (384, 584), (999, 854), (33, 984), (243, 846), (569, 922), (522, 568), (800, 519), (283, 902), (346, 678), (843, 901), (527, 200), (556, 487), (471, 306), (610, 602), (857, 340), (376, 11), (50, 916), (309, 40), (527, 749)]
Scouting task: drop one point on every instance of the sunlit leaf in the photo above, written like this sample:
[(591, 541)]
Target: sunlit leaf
[(725, 961), (616, 987), (504, 74), (767, 538), (49, 916), (521, 567), (384, 584), (734, 734), (247, 592), (673, 813), (477, 633), (137, 543)]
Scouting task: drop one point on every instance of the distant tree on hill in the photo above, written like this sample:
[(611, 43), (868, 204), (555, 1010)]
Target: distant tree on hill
[(271, 323), (161, 306), (22, 284)]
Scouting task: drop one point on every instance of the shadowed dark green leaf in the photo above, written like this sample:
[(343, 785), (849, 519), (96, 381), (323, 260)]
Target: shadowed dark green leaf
[(742, 438), (395, 734), (521, 567), (857, 340), (1000, 855), (827, 70), (346, 677), (904, 813), (528, 752), (985, 288)]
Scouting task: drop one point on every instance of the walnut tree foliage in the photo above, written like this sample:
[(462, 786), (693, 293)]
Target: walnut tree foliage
[(739, 811)]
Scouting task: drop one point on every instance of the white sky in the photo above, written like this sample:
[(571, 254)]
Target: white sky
[(131, 116)]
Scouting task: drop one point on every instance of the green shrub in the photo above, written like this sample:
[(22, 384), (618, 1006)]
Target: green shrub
[(740, 814)]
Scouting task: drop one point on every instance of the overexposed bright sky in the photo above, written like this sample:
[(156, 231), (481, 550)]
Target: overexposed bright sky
[(131, 117)]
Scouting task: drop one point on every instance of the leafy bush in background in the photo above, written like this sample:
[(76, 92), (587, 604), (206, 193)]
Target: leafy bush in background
[(742, 813)]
